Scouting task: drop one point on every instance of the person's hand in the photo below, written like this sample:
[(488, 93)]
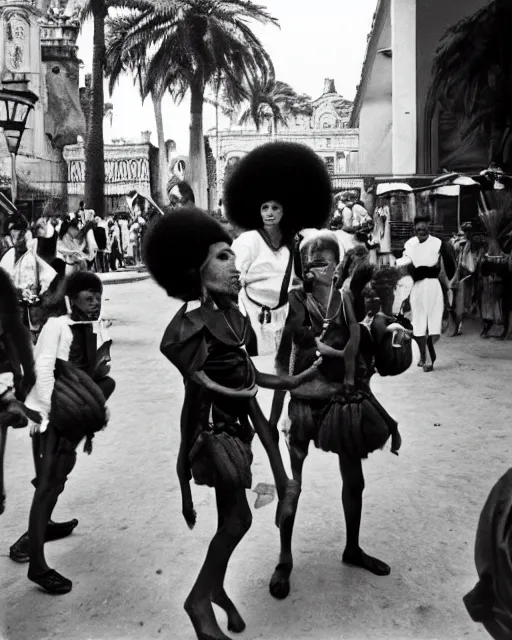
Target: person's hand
[(17, 417), (322, 348), (189, 513), (309, 373)]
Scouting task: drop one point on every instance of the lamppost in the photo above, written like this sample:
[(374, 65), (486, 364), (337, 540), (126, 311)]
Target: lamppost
[(15, 106)]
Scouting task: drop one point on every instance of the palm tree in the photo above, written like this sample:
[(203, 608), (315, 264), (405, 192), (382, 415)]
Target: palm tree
[(119, 61), (94, 154), (194, 43), (269, 99), (472, 74)]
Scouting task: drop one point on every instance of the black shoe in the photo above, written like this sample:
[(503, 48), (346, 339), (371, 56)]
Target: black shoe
[(19, 552)]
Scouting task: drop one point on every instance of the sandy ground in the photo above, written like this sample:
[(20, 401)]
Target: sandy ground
[(133, 560)]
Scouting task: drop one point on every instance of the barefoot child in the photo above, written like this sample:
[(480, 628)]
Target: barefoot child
[(336, 410), (189, 254)]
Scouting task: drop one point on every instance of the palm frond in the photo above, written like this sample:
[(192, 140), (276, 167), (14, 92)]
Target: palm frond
[(471, 70)]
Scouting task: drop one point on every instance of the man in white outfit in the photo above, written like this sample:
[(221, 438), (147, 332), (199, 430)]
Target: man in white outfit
[(423, 254)]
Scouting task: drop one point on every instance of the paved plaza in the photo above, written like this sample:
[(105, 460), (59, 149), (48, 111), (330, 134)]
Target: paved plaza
[(133, 560)]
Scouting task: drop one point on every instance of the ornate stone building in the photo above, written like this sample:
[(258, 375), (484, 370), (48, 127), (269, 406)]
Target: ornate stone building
[(326, 131), (38, 53)]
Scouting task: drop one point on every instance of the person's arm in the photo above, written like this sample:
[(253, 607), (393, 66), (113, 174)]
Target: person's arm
[(406, 259), (47, 350), (200, 378), (285, 382), (352, 346), (190, 401), (243, 249), (347, 217)]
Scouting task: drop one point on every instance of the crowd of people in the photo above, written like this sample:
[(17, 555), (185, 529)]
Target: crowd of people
[(329, 312)]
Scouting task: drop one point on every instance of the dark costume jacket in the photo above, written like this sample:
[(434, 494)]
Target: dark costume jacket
[(213, 341)]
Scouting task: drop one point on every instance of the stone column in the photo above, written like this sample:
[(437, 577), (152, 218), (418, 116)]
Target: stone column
[(404, 127)]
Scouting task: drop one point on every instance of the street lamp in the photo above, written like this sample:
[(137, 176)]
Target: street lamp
[(15, 106)]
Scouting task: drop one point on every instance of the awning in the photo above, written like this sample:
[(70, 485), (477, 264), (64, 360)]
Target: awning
[(390, 187), (447, 190)]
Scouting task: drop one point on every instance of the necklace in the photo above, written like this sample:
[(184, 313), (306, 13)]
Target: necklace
[(235, 334), (326, 320)]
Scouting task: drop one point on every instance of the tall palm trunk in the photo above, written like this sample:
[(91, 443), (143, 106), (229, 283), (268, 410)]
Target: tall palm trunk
[(198, 177), (161, 194), (94, 152)]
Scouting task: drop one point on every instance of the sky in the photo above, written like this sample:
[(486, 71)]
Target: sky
[(316, 40)]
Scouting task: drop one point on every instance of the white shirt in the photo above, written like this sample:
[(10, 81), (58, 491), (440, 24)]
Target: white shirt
[(421, 254), (261, 269), (54, 343), (23, 271)]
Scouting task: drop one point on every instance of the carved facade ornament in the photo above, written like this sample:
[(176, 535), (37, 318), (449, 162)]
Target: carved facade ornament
[(127, 168), (16, 36)]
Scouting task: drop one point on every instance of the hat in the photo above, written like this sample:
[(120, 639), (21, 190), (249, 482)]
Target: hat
[(490, 602), (289, 173), (176, 245)]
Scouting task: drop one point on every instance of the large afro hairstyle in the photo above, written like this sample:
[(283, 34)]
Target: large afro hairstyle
[(175, 247), (289, 173)]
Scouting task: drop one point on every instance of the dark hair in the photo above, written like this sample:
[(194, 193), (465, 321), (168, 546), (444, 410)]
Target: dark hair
[(186, 192), (18, 223), (175, 247), (384, 282), (288, 173), (81, 204), (422, 218), (350, 261), (66, 225), (321, 243), (83, 281), (8, 296), (361, 277)]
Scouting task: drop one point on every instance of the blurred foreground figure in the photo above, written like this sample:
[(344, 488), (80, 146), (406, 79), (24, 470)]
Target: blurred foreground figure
[(17, 371), (490, 602)]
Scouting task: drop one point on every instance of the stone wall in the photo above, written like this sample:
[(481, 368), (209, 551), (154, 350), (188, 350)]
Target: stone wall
[(338, 147)]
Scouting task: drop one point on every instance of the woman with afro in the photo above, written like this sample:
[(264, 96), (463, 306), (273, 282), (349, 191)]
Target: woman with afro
[(190, 256), (273, 193)]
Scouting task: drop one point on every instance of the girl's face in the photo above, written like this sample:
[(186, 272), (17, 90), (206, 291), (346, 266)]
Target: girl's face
[(219, 274), (319, 269), (271, 213), (88, 303)]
